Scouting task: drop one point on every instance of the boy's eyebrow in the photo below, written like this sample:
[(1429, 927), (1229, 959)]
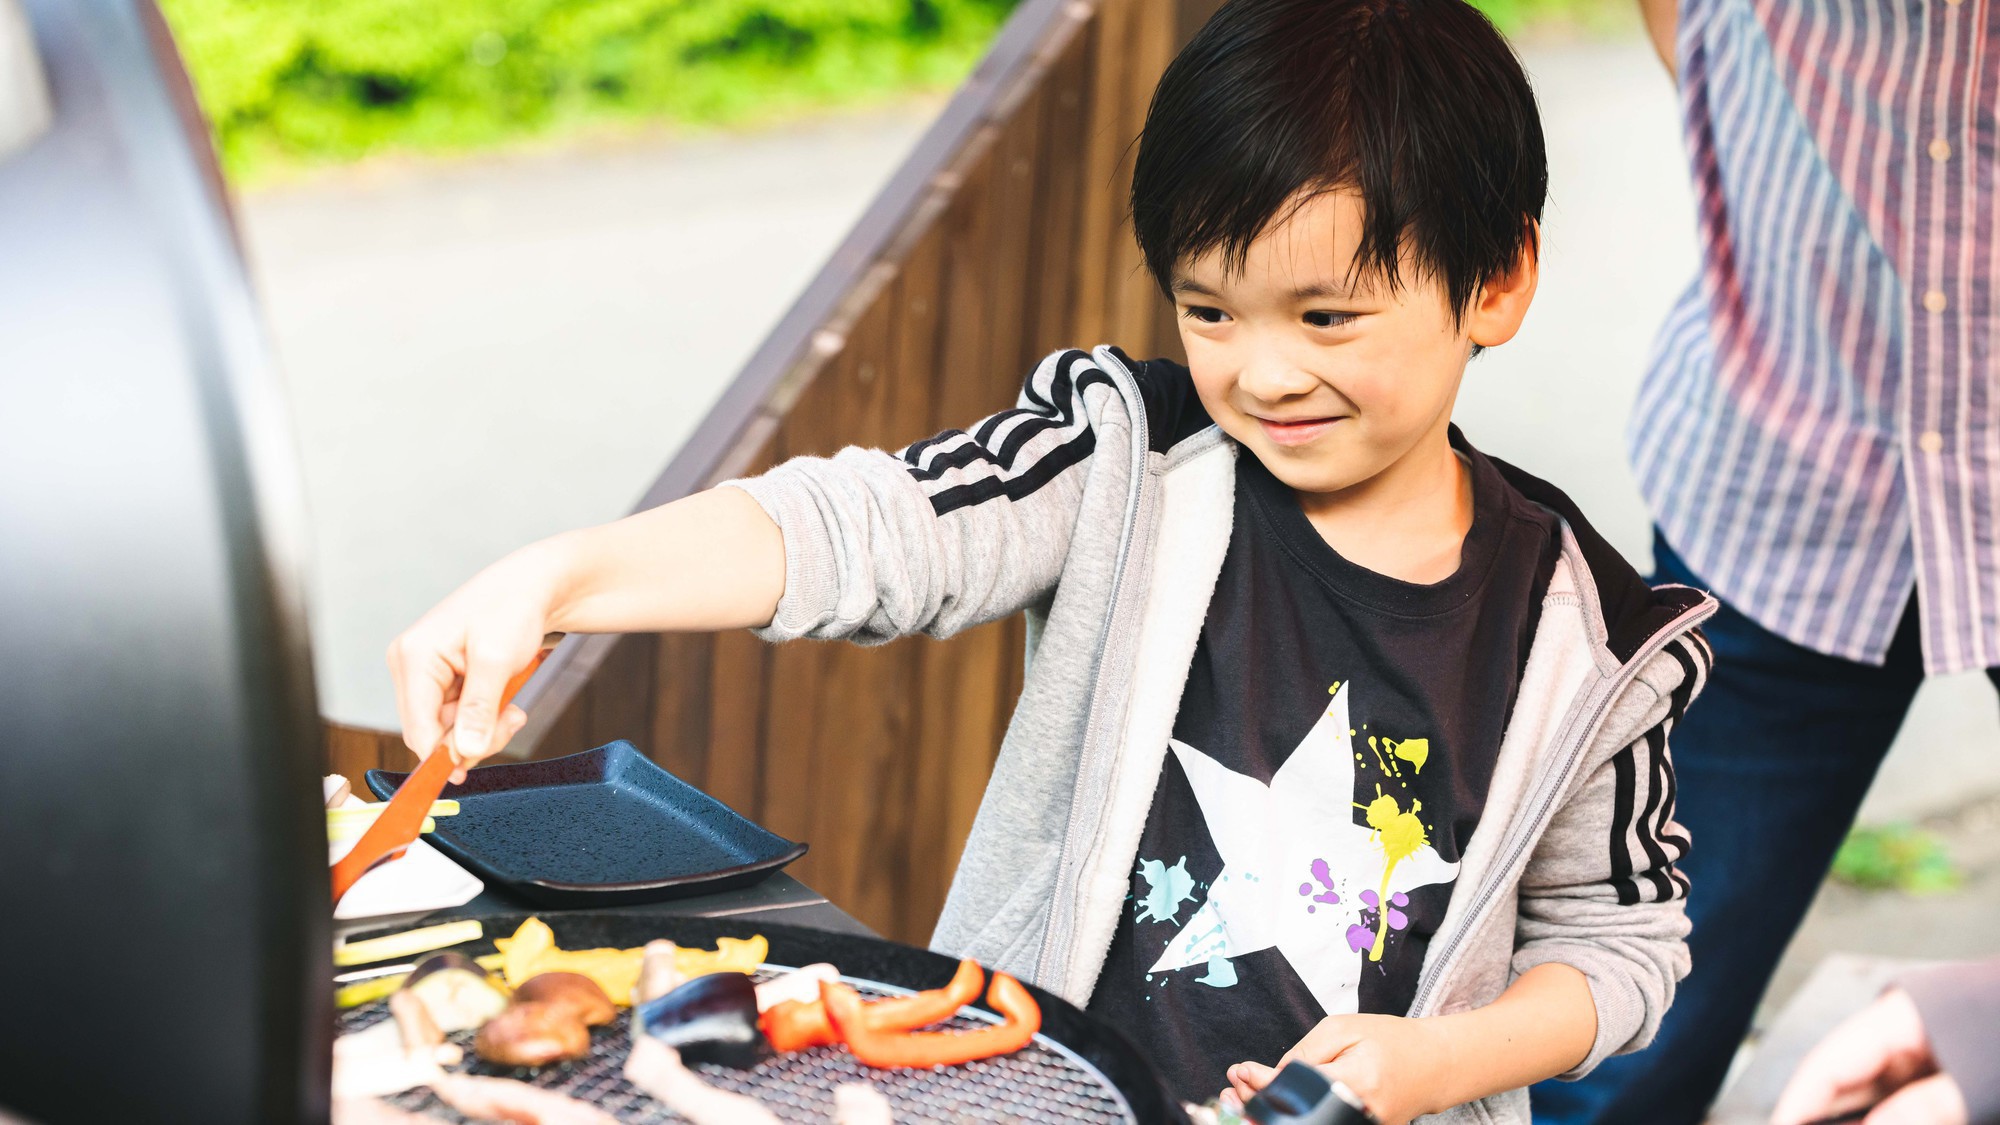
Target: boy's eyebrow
[(1322, 289), (1314, 291)]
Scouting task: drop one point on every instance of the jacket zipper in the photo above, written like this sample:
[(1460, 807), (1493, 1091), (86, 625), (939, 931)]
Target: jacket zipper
[(1053, 963), (1674, 629)]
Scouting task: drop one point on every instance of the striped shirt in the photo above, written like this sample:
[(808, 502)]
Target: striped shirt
[(1817, 432)]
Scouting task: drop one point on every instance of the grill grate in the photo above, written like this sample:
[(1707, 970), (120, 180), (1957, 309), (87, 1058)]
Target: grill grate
[(1043, 1082)]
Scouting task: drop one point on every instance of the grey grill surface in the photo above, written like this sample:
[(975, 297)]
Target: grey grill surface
[(1042, 1082)]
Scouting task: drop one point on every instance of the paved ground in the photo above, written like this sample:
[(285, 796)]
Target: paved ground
[(481, 354)]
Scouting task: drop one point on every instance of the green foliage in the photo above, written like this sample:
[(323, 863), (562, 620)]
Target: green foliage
[(287, 82), (1895, 857)]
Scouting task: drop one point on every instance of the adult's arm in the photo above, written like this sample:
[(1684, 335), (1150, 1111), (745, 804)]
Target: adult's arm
[(1662, 17)]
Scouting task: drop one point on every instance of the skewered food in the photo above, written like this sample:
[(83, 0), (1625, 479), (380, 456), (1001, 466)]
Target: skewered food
[(858, 1103), (799, 984), (374, 1063), (504, 1099), (369, 1111), (657, 1069), (659, 972), (420, 1034)]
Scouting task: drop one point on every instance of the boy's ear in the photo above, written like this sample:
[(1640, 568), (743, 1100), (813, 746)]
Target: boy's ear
[(1502, 302)]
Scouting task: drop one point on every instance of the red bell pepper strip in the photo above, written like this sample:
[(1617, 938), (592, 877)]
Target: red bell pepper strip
[(884, 1048), (796, 1025)]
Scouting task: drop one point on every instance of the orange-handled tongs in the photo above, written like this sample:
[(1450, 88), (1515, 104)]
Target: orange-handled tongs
[(403, 820)]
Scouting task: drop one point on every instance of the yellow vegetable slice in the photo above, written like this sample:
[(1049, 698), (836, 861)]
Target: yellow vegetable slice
[(533, 950), (408, 943), (730, 955), (367, 991)]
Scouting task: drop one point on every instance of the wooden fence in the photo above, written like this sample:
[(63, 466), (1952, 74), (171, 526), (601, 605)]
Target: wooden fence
[(1003, 237)]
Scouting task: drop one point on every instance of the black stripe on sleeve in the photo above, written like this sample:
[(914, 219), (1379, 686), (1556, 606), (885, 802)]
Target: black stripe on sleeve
[(1064, 393), (1657, 863), (1017, 487), (1625, 782)]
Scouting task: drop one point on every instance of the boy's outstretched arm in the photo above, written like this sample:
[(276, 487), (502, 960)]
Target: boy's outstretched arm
[(958, 529), (709, 561), (1542, 1026)]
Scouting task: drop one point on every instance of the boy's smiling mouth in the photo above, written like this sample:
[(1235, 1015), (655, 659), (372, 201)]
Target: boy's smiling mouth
[(1296, 431)]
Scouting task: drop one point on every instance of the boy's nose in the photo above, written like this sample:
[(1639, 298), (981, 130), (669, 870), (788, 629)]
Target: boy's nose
[(1273, 379)]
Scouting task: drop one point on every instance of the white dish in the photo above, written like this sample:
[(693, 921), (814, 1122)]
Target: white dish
[(422, 880)]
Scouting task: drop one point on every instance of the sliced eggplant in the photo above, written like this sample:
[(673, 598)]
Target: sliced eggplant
[(709, 1019)]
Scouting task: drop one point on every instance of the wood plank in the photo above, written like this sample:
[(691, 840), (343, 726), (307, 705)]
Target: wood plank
[(622, 696), (1009, 258), (353, 751), (1053, 238), (739, 684), (1103, 152), (683, 687), (1134, 299)]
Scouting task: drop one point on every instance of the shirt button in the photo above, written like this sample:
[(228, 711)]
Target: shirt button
[(1940, 150), (1934, 301), (1931, 442)]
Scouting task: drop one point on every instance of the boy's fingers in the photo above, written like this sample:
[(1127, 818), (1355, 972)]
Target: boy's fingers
[(1936, 1100), (1872, 1051), (422, 680), (487, 670), (1247, 1078)]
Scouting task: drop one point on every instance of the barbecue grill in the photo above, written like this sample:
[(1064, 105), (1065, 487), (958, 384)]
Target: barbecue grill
[(1078, 1070)]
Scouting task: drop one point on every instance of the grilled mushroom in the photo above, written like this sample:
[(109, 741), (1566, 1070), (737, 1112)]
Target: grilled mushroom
[(458, 993), (573, 991), (532, 1034)]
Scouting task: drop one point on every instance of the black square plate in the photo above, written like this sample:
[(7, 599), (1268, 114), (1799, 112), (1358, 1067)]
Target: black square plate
[(599, 828)]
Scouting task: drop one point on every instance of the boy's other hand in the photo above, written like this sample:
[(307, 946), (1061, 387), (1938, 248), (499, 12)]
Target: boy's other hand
[(452, 666), (1390, 1062), (1880, 1057)]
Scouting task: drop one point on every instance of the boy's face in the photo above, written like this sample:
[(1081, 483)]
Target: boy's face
[(1331, 386)]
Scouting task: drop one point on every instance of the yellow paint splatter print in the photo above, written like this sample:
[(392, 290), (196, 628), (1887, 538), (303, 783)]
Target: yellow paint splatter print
[(1400, 835)]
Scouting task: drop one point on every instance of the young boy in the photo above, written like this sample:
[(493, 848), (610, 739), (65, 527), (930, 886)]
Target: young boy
[(1339, 740)]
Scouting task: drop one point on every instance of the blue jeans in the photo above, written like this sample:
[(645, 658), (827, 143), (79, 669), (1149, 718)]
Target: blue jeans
[(1773, 761)]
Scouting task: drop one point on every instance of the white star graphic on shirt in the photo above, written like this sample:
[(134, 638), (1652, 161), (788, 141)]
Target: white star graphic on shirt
[(1268, 838)]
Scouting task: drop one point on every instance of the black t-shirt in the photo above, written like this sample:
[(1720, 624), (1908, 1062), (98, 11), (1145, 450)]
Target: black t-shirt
[(1335, 720)]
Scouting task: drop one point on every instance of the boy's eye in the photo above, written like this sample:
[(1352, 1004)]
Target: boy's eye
[(1205, 314), (1328, 319)]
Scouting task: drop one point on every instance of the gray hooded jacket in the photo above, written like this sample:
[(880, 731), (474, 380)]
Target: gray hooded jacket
[(1069, 508)]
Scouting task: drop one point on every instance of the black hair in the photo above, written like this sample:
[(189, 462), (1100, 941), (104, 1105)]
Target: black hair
[(1419, 106)]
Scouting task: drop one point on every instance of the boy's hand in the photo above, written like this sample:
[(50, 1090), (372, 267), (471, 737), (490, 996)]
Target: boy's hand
[(1879, 1057), (1390, 1062), (452, 666)]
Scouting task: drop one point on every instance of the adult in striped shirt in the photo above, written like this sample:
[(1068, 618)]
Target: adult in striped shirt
[(1818, 436)]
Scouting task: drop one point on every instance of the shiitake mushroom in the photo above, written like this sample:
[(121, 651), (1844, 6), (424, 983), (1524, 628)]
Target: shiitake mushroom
[(457, 992), (532, 1033), (573, 991)]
